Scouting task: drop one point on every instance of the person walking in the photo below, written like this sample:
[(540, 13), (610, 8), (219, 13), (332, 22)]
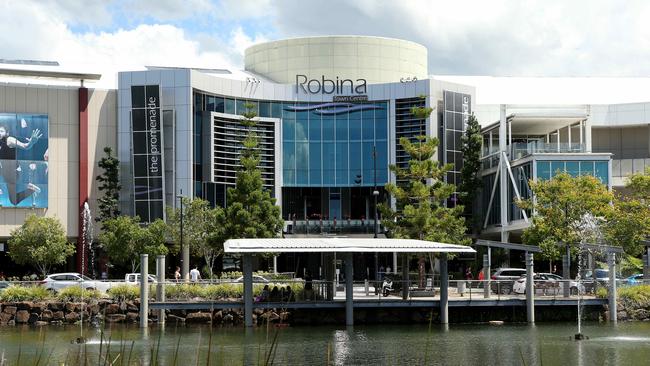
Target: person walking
[(195, 275), (177, 274)]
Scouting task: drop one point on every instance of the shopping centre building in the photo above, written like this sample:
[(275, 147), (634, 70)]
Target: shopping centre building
[(331, 111)]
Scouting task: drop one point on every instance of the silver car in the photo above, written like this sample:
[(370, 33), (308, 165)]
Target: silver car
[(58, 281)]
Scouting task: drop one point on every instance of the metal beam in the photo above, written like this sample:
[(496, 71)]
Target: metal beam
[(599, 247), (514, 184), (513, 246)]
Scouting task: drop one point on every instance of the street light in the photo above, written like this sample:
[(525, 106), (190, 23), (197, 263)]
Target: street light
[(185, 251)]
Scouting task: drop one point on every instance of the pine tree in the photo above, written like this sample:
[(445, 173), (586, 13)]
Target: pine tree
[(109, 185), (251, 211), (471, 182)]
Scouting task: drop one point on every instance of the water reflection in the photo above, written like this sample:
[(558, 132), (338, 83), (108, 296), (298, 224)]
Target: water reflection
[(470, 344)]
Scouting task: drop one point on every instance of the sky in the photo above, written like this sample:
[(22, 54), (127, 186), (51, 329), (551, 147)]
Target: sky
[(506, 38)]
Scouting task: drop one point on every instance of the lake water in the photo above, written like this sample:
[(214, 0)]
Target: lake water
[(458, 344)]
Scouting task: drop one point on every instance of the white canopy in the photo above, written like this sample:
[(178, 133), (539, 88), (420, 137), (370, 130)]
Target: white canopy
[(341, 245)]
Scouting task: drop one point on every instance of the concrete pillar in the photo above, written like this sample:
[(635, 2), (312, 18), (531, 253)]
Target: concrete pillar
[(611, 262), (144, 290), (405, 276), (247, 267), (444, 290), (588, 135), (275, 264), (486, 275), (160, 288), (530, 289), (349, 290), (394, 262)]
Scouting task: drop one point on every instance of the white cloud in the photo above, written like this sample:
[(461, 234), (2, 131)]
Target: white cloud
[(240, 41), (169, 9), (46, 37)]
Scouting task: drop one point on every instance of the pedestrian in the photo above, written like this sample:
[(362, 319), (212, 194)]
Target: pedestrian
[(195, 275), (177, 274), (481, 274), (468, 276)]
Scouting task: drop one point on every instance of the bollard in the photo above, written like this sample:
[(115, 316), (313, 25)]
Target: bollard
[(144, 290), (160, 287), (486, 276), (611, 262), (530, 289)]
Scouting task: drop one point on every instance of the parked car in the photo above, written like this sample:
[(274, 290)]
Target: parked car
[(256, 279), (3, 285), (134, 278), (634, 280), (505, 279), (58, 281), (548, 284)]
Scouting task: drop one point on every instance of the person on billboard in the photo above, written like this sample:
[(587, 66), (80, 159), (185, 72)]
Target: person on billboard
[(8, 171), (9, 144)]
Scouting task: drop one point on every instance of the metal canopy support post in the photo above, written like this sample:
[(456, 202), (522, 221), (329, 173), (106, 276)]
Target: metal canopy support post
[(160, 287), (566, 270), (503, 173), (144, 290), (247, 267), (611, 262), (444, 290), (349, 290), (486, 275), (405, 277), (530, 289)]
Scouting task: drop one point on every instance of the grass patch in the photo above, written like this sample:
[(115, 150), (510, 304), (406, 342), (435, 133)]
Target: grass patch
[(635, 295), (124, 292), (15, 293)]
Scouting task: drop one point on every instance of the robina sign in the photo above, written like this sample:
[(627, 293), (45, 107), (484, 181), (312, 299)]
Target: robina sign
[(329, 86)]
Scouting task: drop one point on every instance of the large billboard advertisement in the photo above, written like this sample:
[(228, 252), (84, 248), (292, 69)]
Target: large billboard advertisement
[(147, 143), (23, 160)]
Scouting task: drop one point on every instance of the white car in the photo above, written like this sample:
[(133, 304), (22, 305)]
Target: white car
[(58, 281), (548, 284), (134, 278)]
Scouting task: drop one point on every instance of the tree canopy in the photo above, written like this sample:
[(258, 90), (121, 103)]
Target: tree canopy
[(124, 239), (471, 182), (40, 241), (420, 203), (204, 229), (561, 205), (251, 212), (109, 186)]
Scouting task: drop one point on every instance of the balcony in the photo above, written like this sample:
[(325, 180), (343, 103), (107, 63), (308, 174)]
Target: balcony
[(521, 150)]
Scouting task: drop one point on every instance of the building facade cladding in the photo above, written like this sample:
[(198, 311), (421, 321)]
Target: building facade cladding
[(60, 106), (319, 144)]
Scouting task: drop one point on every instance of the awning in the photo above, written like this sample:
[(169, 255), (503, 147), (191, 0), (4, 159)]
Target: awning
[(340, 245)]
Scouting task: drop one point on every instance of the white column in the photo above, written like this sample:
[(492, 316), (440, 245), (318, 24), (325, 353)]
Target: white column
[(247, 267), (444, 290), (160, 288), (587, 136), (530, 289), (503, 173), (611, 262), (144, 290)]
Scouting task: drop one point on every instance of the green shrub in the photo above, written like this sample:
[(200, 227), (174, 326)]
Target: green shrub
[(223, 291), (601, 292), (15, 293), (636, 295), (75, 294), (124, 292), (183, 291)]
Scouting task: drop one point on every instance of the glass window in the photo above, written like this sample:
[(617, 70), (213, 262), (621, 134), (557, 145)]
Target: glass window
[(329, 157), (289, 155), (368, 174), (301, 129), (210, 105), (586, 168), (229, 106), (368, 129), (289, 177), (314, 128), (382, 114), (573, 168), (602, 171), (381, 129), (265, 109), (342, 163), (276, 110), (355, 163), (218, 104), (342, 127), (543, 170), (556, 166), (288, 130), (328, 128), (315, 178), (355, 127)]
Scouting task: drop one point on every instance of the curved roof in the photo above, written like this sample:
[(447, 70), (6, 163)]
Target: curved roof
[(341, 245)]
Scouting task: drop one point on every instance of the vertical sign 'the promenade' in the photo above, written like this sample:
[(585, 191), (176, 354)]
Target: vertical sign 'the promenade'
[(146, 119)]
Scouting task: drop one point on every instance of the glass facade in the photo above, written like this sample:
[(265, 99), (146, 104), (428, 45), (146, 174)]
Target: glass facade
[(599, 169), (334, 144)]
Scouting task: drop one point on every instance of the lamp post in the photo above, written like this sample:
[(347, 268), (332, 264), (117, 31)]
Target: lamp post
[(375, 193), (185, 251)]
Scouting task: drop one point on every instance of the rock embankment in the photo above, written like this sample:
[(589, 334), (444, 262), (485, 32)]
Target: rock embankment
[(100, 311)]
